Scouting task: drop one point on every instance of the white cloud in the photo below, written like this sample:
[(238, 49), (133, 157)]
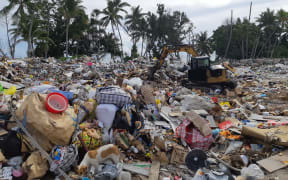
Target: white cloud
[(196, 3)]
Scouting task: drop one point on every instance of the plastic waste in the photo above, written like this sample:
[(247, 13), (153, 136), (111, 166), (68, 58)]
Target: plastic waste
[(215, 132), (105, 113), (18, 172), (1, 87), (10, 91), (244, 159), (110, 171), (218, 91), (199, 175), (42, 89), (7, 173), (233, 146), (124, 175), (214, 176), (56, 102), (134, 82), (68, 95), (252, 171), (15, 161), (195, 102)]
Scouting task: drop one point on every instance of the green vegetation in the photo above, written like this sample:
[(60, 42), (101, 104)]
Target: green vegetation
[(51, 28)]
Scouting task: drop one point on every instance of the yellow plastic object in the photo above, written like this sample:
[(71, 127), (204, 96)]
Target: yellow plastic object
[(225, 104), (158, 101), (31, 76), (10, 91)]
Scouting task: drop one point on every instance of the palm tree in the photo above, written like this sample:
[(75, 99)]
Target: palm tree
[(269, 25), (112, 16), (133, 22), (69, 9), (203, 43), (25, 10), (143, 32), (96, 30)]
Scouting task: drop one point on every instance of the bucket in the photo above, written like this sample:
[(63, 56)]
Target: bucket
[(56, 103)]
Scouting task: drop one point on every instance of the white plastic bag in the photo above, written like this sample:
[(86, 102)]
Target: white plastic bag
[(252, 170)]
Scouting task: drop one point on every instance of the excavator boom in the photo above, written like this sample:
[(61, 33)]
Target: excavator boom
[(168, 50)]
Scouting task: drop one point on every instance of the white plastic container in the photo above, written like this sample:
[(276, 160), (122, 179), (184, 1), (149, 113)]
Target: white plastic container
[(105, 113)]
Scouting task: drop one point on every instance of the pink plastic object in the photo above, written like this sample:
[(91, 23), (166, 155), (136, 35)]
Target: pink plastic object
[(89, 64), (17, 173), (56, 102)]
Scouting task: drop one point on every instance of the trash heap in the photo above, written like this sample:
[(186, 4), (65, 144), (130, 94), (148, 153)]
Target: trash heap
[(86, 120)]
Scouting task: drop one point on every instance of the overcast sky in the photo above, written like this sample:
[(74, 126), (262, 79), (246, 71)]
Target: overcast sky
[(206, 15)]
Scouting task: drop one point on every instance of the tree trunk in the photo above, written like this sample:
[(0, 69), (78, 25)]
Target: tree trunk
[(114, 35), (77, 46), (273, 48), (142, 46), (247, 31), (14, 43), (8, 38), (230, 36), (32, 46), (67, 40), (117, 26), (242, 50), (46, 52), (30, 38), (268, 40)]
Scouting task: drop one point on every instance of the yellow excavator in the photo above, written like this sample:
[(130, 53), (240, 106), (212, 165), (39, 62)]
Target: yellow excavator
[(201, 72)]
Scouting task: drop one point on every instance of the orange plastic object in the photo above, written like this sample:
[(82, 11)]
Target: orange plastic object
[(229, 135)]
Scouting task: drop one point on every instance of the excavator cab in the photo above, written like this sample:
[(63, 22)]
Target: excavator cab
[(201, 71), (198, 68)]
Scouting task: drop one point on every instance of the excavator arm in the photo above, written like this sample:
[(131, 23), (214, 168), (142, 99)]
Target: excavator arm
[(168, 50), (229, 67)]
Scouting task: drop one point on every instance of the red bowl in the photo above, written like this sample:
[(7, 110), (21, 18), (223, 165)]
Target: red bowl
[(56, 102)]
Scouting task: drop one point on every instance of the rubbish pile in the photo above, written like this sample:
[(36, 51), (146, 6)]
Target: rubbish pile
[(88, 120)]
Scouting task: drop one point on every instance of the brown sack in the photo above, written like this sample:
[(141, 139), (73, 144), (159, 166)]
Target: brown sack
[(47, 128), (278, 136), (35, 166)]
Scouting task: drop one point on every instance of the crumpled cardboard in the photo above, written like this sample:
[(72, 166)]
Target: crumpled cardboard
[(35, 166), (160, 156), (147, 92), (201, 124), (278, 135), (48, 128), (178, 155)]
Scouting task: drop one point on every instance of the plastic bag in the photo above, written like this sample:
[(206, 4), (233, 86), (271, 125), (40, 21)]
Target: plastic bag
[(233, 146), (252, 170), (42, 89), (10, 91), (134, 82)]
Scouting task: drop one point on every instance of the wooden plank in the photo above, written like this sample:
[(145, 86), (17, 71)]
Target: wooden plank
[(137, 170), (154, 171), (276, 162)]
